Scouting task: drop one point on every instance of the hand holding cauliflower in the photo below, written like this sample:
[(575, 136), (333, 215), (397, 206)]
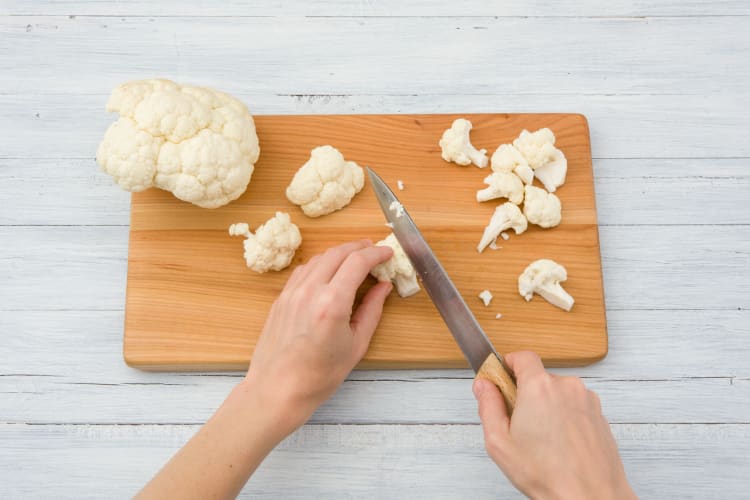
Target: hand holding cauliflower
[(198, 143), (272, 246), (456, 146), (397, 269), (325, 183)]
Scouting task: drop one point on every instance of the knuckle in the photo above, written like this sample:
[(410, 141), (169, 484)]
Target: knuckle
[(493, 445), (327, 305)]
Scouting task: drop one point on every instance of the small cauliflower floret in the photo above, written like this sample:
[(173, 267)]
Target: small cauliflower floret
[(198, 143), (543, 277), (537, 147), (486, 297), (506, 216), (325, 183), (400, 184), (502, 185), (508, 159), (553, 174), (272, 246), (542, 208), (549, 163), (397, 269), (457, 147)]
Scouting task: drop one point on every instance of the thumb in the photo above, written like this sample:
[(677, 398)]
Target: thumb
[(367, 316), (494, 415)]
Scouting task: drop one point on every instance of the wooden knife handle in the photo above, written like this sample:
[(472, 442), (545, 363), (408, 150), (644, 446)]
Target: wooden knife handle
[(494, 371)]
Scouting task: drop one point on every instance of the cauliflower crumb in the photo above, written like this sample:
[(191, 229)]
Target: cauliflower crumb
[(389, 224), (486, 297), (498, 316), (504, 236), (273, 245), (325, 183), (398, 208), (494, 246), (400, 184)]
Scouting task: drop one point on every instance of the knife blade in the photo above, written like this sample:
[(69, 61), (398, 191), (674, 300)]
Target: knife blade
[(464, 327)]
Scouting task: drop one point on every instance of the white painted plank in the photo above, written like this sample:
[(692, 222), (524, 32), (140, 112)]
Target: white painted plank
[(645, 267), (293, 55), (629, 191), (423, 461), (86, 346), (622, 126), (37, 400), (389, 8)]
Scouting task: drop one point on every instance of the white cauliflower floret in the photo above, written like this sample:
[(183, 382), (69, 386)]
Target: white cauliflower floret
[(325, 183), (502, 185), (508, 159), (553, 173), (542, 208), (506, 216), (272, 246), (456, 145), (198, 143), (397, 269), (543, 277), (537, 147), (548, 162)]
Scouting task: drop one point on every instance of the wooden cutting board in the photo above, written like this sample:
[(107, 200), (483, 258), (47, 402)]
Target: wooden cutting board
[(193, 305)]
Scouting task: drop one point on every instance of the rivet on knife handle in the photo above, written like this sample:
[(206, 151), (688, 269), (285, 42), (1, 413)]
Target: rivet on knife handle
[(494, 371)]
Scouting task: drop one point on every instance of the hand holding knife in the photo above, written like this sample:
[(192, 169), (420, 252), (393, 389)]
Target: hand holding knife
[(472, 340)]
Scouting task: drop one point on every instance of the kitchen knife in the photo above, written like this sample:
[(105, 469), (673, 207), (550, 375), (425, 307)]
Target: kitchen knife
[(470, 337)]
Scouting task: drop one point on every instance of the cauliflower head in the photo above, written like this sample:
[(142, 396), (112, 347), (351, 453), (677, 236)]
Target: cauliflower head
[(325, 183), (543, 277), (272, 246), (455, 145), (397, 269), (542, 208), (198, 143), (502, 185)]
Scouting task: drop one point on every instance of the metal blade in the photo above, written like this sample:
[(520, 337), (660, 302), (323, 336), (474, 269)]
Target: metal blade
[(456, 314)]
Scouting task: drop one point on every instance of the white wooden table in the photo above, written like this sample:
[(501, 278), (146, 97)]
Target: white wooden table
[(665, 88)]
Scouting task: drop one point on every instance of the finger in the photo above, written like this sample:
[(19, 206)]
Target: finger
[(525, 365), (357, 266), (367, 316), (295, 277), (330, 260), (494, 416)]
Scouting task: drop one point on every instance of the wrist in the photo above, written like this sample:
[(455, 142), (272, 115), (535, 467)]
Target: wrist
[(267, 409)]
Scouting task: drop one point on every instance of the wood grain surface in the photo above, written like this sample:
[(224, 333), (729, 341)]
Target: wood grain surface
[(193, 305)]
